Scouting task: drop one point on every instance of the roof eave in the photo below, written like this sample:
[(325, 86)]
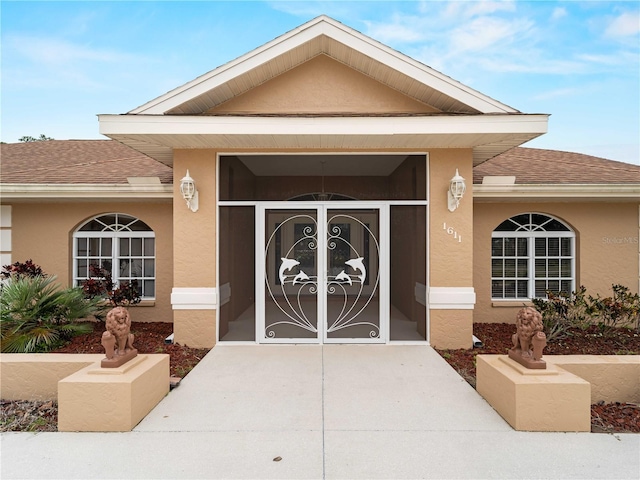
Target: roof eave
[(85, 192), (323, 26), (556, 192), (158, 135)]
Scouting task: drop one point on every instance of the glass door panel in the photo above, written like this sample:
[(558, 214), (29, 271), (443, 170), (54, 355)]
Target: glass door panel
[(291, 275), (352, 302)]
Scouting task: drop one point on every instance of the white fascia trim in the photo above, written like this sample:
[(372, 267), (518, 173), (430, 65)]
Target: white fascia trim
[(195, 298), (420, 72), (452, 298), (553, 191), (11, 191), (317, 126), (341, 33), (221, 74)]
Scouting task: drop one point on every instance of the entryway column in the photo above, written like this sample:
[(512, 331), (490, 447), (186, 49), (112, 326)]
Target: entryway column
[(451, 295), (194, 296)]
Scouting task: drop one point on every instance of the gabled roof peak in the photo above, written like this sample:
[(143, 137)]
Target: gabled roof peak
[(323, 35)]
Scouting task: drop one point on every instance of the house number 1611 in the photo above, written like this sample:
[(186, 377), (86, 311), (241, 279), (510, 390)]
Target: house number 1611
[(452, 231)]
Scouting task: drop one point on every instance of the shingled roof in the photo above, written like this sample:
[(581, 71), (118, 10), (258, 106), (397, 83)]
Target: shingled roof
[(110, 162), (538, 166), (77, 162)]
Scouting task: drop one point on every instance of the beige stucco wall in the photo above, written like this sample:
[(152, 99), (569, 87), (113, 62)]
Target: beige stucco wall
[(450, 255), (194, 245), (321, 86), (35, 376), (97, 399), (49, 243), (195, 233), (613, 378), (546, 400), (451, 260), (606, 248)]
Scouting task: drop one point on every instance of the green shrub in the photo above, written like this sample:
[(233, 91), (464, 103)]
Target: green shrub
[(563, 311), (622, 309), (36, 315)]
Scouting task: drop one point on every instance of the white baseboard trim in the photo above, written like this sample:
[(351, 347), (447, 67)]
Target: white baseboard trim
[(452, 298), (195, 298)]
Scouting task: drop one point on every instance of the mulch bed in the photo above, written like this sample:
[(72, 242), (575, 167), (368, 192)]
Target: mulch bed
[(148, 338), (496, 340), (34, 416)]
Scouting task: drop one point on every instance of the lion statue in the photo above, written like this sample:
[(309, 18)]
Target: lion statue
[(529, 339), (118, 338)]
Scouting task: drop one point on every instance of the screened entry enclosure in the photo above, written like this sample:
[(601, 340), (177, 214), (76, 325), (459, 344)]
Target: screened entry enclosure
[(321, 265)]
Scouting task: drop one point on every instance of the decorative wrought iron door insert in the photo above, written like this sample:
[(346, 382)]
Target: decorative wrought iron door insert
[(343, 294)]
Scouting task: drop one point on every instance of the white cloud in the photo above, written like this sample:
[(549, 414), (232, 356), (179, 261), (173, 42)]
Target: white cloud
[(402, 29), (558, 13), (483, 8), (54, 51), (531, 63), (625, 25), (51, 62), (484, 32), (559, 93), (464, 10)]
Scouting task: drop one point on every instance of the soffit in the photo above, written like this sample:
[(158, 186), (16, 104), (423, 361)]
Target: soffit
[(322, 45), (183, 107), (323, 35), (487, 135)]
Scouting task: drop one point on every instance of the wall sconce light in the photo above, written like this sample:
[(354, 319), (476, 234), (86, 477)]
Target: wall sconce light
[(457, 187), (189, 192)]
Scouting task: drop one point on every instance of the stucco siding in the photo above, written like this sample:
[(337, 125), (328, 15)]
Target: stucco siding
[(195, 232), (322, 86), (606, 248), (43, 232), (451, 254)]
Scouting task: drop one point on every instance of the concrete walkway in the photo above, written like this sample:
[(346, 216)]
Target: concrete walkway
[(335, 412)]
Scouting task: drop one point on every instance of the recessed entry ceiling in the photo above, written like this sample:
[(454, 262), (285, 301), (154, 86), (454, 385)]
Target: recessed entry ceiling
[(317, 165)]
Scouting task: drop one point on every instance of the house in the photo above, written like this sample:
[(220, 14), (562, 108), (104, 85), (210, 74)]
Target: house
[(323, 188)]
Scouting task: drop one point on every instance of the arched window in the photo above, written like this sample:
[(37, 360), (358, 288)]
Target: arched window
[(531, 253), (121, 244)]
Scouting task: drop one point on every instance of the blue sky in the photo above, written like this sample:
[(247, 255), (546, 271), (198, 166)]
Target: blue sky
[(65, 62)]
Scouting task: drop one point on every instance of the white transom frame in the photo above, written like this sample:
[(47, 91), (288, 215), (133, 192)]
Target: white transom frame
[(321, 209)]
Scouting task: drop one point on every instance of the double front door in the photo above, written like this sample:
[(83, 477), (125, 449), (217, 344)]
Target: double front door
[(321, 273)]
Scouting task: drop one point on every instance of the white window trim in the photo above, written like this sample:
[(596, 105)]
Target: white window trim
[(115, 249), (531, 236)]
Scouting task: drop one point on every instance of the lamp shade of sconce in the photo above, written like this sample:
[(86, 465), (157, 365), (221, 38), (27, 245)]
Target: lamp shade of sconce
[(457, 187), (189, 192)]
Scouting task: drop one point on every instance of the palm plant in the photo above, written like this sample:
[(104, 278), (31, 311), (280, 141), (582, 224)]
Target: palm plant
[(35, 314)]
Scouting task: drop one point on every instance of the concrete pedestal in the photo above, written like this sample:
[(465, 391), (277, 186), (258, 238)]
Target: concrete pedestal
[(97, 399), (551, 400)]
